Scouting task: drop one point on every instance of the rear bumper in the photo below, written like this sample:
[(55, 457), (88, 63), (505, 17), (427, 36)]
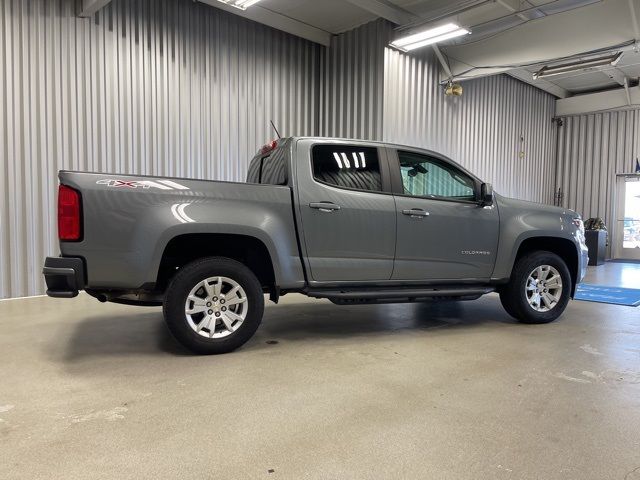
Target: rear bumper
[(64, 276)]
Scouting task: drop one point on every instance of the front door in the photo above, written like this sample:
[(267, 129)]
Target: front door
[(627, 228), (443, 233), (347, 211)]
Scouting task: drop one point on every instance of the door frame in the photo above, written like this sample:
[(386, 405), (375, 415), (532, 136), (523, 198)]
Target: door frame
[(302, 166), (438, 203), (617, 233)]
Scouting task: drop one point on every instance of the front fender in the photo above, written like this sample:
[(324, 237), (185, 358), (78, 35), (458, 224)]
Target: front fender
[(521, 221)]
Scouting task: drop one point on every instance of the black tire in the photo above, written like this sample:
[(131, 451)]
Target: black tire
[(186, 279), (506, 303), (514, 297)]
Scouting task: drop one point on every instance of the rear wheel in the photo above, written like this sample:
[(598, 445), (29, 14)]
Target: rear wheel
[(539, 288), (213, 305)]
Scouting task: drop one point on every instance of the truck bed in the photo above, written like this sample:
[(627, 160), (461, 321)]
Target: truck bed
[(128, 221)]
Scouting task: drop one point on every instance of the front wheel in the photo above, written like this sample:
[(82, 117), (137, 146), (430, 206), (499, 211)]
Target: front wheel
[(539, 288), (213, 305)]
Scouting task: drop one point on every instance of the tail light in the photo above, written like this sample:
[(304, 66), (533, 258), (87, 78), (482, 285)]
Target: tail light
[(69, 221), (272, 145)]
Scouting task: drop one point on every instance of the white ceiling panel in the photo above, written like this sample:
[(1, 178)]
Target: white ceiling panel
[(334, 16), (586, 82)]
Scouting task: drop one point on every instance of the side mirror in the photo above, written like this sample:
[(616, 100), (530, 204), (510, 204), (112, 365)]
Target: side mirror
[(486, 195)]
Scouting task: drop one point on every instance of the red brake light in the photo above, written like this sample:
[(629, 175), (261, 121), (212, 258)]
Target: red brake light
[(272, 145), (68, 213)]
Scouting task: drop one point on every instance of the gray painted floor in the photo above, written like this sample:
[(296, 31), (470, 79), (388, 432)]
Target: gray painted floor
[(444, 391)]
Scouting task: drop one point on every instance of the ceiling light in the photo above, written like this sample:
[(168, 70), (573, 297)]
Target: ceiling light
[(241, 4), (429, 37), (548, 71)]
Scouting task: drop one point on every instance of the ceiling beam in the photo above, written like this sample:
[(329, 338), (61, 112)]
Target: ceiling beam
[(443, 61), (89, 7), (386, 10), (277, 21), (627, 91), (512, 6), (443, 9), (634, 18), (617, 99)]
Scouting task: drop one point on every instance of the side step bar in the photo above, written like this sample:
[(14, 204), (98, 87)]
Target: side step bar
[(387, 295)]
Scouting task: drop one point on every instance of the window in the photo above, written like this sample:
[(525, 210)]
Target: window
[(347, 166), (424, 176)]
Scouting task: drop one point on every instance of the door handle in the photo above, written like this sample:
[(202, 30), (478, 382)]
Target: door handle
[(325, 206), (415, 213)]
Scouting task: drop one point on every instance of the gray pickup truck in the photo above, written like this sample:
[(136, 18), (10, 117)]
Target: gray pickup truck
[(352, 221)]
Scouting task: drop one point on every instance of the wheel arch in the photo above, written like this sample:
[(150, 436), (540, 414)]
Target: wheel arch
[(563, 247), (187, 247)]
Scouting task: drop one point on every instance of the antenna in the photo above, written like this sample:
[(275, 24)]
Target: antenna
[(275, 129)]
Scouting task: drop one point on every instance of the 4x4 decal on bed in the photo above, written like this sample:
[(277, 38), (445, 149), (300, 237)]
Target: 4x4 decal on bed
[(161, 184)]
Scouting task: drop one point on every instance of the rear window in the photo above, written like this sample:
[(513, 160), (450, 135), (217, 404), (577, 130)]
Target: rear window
[(269, 169), (347, 166)]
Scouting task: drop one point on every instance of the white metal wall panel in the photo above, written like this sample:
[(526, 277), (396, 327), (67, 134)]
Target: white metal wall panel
[(161, 87), (592, 149), (171, 87), (500, 128), (353, 83)]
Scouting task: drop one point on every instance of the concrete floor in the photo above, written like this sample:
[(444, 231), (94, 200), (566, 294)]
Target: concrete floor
[(443, 391)]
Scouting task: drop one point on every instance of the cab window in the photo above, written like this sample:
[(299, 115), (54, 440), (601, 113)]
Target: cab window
[(347, 166), (426, 176)]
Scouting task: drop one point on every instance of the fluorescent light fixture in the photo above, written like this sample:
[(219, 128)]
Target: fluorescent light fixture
[(606, 61), (241, 4), (429, 37)]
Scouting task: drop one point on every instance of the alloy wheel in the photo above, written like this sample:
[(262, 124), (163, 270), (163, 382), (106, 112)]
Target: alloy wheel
[(216, 307), (543, 288)]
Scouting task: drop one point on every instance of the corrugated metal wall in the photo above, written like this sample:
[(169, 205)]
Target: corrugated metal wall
[(171, 87), (164, 87), (592, 149), (500, 128), (353, 83)]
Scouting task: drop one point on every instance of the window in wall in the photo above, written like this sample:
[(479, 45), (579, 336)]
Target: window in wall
[(425, 176), (347, 166)]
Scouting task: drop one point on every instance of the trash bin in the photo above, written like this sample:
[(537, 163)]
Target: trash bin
[(597, 244)]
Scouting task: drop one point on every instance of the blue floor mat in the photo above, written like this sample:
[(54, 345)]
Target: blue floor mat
[(604, 294)]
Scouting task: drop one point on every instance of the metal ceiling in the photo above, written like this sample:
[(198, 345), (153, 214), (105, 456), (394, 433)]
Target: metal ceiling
[(495, 28)]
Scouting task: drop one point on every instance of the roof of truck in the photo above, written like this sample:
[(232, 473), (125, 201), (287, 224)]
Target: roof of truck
[(387, 144), (360, 140)]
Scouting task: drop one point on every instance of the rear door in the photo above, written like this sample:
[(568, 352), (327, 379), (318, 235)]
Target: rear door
[(346, 209), (443, 233)]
